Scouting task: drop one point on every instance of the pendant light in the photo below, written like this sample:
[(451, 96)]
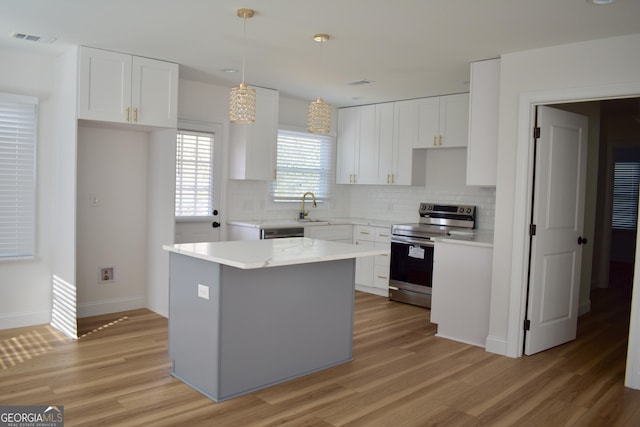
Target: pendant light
[(242, 98), (319, 114)]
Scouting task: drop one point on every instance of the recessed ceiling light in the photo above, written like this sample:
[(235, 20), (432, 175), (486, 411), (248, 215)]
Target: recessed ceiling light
[(600, 2), (229, 70)]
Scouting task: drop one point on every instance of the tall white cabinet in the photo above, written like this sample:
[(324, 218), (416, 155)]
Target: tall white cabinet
[(121, 88)]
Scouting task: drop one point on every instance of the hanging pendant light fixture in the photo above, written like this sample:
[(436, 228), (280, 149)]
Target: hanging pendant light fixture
[(242, 98), (319, 114)]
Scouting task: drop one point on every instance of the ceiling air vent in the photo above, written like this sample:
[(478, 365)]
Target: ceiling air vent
[(359, 83), (33, 38)]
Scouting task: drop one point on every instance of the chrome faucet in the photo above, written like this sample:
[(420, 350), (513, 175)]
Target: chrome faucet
[(303, 214)]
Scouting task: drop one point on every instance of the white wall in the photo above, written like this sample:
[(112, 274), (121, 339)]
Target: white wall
[(603, 64), (248, 200), (25, 286), (111, 230)]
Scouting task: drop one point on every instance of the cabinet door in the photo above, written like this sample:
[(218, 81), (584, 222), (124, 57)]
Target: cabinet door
[(154, 93), (347, 145), (454, 120), (429, 123), (483, 123), (368, 153), (104, 86), (384, 134), (364, 265), (253, 146), (409, 164)]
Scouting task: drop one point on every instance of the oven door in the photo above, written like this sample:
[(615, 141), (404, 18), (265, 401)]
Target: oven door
[(411, 270)]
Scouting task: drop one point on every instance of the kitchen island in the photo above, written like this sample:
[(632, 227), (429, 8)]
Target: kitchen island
[(244, 315)]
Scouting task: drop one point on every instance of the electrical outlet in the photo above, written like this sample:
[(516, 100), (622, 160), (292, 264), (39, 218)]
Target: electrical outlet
[(106, 274), (203, 291)]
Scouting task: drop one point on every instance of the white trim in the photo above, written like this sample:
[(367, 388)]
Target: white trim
[(497, 345), (116, 305), (19, 320), (526, 106)]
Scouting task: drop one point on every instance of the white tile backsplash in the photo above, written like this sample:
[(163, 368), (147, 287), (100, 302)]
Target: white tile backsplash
[(400, 203), (249, 200)]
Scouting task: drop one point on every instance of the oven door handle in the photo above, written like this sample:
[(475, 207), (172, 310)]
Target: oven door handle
[(410, 241)]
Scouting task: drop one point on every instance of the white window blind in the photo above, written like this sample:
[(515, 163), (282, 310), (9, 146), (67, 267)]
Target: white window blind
[(304, 163), (18, 124), (625, 195), (194, 174)]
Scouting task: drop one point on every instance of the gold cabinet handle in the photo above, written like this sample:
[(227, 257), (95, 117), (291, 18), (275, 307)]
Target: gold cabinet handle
[(435, 141), (440, 140), (393, 178), (128, 114), (135, 115)]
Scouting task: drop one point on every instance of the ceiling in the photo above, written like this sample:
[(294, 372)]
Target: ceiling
[(406, 48)]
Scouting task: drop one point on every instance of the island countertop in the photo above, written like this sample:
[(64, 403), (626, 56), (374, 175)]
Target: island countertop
[(251, 254)]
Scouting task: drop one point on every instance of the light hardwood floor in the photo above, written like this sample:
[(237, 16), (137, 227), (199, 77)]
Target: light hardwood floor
[(401, 375)]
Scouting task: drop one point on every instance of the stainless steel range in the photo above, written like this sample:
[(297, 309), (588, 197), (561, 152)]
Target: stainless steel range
[(412, 249)]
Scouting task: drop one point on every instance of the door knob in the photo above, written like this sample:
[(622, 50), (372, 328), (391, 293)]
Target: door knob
[(582, 241), (215, 212), (215, 224)]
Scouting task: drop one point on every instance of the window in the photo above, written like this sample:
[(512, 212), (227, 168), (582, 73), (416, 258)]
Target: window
[(194, 174), (18, 121), (304, 163), (625, 195)]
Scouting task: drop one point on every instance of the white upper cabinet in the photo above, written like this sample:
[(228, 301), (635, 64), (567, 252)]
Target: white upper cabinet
[(120, 88), (409, 164), (444, 121), (357, 152), (252, 147), (482, 151)]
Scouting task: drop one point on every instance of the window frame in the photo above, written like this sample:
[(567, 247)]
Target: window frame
[(323, 200), (188, 129), (23, 248)]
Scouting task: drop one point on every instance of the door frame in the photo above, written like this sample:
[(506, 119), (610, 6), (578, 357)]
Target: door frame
[(522, 208)]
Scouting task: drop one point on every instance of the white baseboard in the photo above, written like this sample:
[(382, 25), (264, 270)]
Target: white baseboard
[(98, 308), (496, 345), (19, 320)]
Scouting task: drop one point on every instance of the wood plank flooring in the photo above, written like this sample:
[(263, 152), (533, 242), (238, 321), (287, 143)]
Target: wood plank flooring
[(118, 374)]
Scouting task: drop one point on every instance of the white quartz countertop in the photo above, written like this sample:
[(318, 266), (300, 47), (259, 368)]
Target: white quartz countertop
[(250, 254), (482, 238)]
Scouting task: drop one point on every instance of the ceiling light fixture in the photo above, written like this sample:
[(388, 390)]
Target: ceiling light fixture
[(319, 114), (600, 2), (242, 98)]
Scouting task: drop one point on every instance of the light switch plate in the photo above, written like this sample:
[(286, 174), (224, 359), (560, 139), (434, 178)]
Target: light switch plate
[(203, 291)]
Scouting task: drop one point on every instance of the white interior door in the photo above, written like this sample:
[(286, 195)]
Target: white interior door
[(558, 214)]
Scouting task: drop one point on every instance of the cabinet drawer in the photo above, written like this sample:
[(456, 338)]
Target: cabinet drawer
[(364, 232), (383, 235), (380, 276), (331, 232)]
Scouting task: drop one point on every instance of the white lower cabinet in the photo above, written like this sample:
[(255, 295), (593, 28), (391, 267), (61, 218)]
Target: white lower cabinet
[(372, 273), (461, 291), (336, 233)]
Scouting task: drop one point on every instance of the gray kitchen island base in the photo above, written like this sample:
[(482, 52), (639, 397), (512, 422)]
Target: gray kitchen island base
[(258, 327)]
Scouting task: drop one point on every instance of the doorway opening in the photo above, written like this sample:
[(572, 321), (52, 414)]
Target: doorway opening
[(611, 214)]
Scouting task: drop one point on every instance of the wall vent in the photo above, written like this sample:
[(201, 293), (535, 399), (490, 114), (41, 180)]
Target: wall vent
[(33, 38), (359, 82)]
